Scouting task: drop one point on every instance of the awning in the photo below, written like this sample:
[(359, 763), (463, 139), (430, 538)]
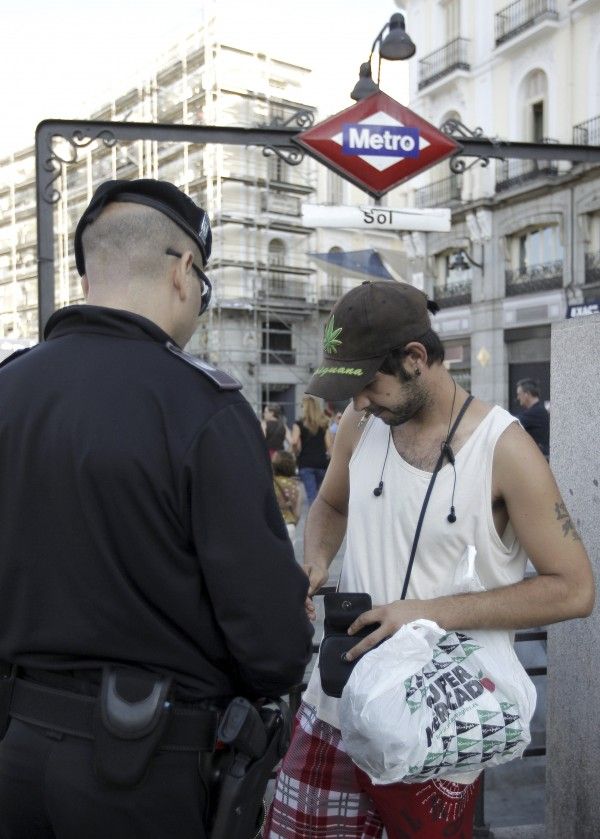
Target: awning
[(366, 263)]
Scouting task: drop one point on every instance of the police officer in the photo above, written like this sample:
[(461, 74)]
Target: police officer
[(146, 577)]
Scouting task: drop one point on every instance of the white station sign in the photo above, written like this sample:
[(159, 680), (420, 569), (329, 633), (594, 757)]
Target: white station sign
[(376, 218)]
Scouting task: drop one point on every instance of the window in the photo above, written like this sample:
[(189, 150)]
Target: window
[(534, 95), (277, 343), (537, 124), (452, 20), (276, 252), (276, 256), (539, 247), (335, 189), (457, 268)]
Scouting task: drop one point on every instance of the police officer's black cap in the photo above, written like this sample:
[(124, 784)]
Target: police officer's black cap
[(160, 195)]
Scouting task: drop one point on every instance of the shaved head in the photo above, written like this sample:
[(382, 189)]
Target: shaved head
[(127, 267), (125, 246)]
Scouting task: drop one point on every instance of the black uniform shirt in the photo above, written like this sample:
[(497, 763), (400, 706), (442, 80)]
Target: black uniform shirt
[(138, 522)]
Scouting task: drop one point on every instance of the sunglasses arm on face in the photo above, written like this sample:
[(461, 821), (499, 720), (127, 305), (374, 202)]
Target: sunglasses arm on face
[(205, 283)]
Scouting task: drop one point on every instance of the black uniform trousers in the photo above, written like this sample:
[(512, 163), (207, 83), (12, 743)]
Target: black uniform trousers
[(48, 790)]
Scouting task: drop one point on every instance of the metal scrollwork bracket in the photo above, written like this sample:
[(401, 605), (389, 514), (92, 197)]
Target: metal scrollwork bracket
[(303, 118), (457, 130), (54, 162), (291, 155)]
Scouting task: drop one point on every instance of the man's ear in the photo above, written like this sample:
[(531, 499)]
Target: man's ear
[(85, 286), (180, 274), (185, 273), (416, 352)]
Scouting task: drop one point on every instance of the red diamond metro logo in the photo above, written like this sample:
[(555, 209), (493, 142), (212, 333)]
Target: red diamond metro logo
[(377, 144)]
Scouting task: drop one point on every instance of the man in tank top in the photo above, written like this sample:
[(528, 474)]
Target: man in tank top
[(495, 492)]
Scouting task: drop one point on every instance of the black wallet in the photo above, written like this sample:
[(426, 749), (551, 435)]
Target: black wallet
[(341, 609)]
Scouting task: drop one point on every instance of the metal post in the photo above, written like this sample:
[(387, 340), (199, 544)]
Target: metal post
[(480, 828)]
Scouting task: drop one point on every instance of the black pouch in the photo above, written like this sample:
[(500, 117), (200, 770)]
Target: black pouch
[(130, 718), (7, 682), (341, 610)]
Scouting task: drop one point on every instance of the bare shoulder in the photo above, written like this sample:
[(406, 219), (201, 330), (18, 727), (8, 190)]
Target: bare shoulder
[(518, 461), (350, 429)]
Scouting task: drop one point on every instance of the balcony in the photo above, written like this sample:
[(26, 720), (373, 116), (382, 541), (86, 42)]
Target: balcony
[(522, 15), (440, 193), (274, 356), (330, 290), (592, 268), (453, 56), (453, 294), (587, 133), (532, 278), (276, 284), (511, 173)]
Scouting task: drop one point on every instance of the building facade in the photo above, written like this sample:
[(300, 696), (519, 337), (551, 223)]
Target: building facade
[(270, 297), (525, 239)]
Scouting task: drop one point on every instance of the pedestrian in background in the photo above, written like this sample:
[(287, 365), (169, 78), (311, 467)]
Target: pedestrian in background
[(535, 419), (274, 428), (311, 441), (288, 490), (334, 424)]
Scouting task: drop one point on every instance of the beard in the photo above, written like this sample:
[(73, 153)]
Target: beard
[(416, 399)]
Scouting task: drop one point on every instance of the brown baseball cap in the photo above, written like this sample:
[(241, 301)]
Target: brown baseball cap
[(364, 325)]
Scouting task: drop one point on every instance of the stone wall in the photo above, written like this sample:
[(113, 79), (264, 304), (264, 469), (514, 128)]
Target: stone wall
[(573, 730)]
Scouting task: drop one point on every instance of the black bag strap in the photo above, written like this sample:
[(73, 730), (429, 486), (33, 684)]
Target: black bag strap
[(438, 466)]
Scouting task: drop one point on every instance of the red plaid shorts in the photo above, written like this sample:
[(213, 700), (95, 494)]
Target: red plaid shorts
[(321, 794)]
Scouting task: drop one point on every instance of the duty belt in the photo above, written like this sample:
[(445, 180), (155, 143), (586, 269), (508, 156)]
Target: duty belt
[(187, 729)]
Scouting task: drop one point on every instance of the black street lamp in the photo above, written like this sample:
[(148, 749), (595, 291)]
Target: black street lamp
[(396, 46)]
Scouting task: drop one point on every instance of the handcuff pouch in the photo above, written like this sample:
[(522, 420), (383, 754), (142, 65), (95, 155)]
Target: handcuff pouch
[(130, 718)]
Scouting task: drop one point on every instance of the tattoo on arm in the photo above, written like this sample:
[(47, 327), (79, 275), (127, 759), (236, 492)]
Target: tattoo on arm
[(562, 514)]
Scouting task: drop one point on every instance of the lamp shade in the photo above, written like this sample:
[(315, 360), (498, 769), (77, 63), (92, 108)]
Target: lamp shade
[(397, 45), (365, 85)]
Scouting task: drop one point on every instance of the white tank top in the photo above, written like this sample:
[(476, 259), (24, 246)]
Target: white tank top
[(381, 529)]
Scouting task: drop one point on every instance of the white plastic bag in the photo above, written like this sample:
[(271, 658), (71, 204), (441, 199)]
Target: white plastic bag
[(429, 703)]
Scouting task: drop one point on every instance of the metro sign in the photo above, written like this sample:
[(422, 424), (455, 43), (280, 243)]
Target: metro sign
[(377, 144)]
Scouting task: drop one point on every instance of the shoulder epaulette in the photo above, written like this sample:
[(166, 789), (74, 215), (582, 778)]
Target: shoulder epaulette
[(14, 355), (218, 377)]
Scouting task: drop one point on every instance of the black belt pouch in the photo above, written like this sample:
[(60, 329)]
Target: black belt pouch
[(7, 681), (341, 610), (130, 718)]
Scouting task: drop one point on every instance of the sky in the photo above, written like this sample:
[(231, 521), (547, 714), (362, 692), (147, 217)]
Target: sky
[(64, 59)]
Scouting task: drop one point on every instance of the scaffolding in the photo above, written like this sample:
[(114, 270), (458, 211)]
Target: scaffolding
[(265, 288)]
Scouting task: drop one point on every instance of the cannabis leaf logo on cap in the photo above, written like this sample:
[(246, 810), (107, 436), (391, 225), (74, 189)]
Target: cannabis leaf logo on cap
[(331, 341)]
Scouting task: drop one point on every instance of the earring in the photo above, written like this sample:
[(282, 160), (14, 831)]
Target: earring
[(417, 371)]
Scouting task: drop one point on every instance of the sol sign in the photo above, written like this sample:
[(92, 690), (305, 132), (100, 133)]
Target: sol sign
[(377, 144)]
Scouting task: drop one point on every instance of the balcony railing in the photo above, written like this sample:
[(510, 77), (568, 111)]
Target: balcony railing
[(587, 133), (439, 193), (530, 278), (436, 65), (519, 16), (592, 267), (511, 173), (453, 294), (238, 257), (275, 284), (330, 290), (278, 357)]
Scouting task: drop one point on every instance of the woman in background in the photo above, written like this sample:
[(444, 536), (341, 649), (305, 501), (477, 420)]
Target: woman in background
[(311, 441), (288, 490), (274, 428)]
